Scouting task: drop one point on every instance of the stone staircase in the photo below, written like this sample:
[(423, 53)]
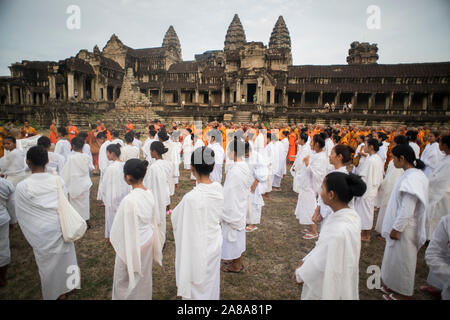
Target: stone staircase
[(242, 116)]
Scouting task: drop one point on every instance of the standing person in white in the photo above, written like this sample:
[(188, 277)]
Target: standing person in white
[(304, 150), (198, 234), (113, 187), (36, 210), (76, 178), (196, 143), (311, 176), (361, 154), (129, 151), (282, 149), (175, 137), (372, 174), (215, 144), (187, 149), (331, 270), (157, 181), (146, 148), (115, 139), (56, 161), (170, 156), (12, 164), (439, 196), (103, 161), (404, 225), (135, 237), (272, 162), (62, 147), (411, 135), (7, 220), (432, 155), (236, 189)]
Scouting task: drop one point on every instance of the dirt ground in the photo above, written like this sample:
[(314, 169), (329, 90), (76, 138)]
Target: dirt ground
[(273, 252)]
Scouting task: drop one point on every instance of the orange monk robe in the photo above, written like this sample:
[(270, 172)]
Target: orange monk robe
[(130, 127), (292, 147), (53, 134), (73, 132), (28, 132)]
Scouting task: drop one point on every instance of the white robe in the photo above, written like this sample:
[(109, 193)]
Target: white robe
[(157, 181), (405, 213), (63, 148), (177, 163), (138, 144), (118, 141), (55, 163), (7, 217), (146, 149), (382, 152), (437, 257), (331, 270), (270, 157), (198, 144), (372, 174), (171, 157), (137, 241), (198, 242), (128, 152), (299, 165), (258, 166), (311, 178), (439, 197), (236, 192), (103, 162), (112, 189), (76, 178), (187, 151), (431, 156), (384, 192), (36, 209), (13, 166), (357, 169), (416, 148), (219, 158), (325, 210)]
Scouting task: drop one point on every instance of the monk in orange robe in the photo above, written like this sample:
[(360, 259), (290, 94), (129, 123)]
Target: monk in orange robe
[(27, 130), (72, 130), (292, 147), (129, 126), (53, 133)]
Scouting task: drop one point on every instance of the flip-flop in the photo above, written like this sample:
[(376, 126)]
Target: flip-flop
[(305, 231), (310, 236), (385, 291), (224, 268), (387, 297)]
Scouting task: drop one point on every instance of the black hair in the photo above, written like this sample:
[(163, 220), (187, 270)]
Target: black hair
[(159, 147), (11, 138), (346, 186), (238, 146), (320, 140), (345, 151), (115, 133), (189, 130), (411, 135), (82, 135), (77, 143), (136, 169), (163, 135), (382, 136), (285, 133), (114, 148), (408, 153), (203, 160), (269, 136), (337, 138), (374, 143), (62, 131), (304, 136), (362, 137), (151, 128), (436, 134), (399, 139), (38, 156), (217, 134), (101, 135), (44, 141), (129, 137), (446, 140), (152, 133)]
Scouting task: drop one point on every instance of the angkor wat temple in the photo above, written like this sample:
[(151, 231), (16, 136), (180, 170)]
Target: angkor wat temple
[(246, 81)]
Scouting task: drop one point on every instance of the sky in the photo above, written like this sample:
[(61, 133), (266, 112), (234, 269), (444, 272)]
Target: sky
[(321, 31)]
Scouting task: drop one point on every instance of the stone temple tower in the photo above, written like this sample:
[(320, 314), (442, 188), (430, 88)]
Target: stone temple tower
[(172, 42), (280, 37), (235, 37)]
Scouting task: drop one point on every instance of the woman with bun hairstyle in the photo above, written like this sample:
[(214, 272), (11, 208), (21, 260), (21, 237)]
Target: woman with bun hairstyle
[(404, 225), (135, 237), (157, 181), (113, 188), (372, 174), (331, 269), (340, 157)]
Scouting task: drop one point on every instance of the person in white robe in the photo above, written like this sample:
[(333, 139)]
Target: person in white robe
[(437, 257), (171, 157), (215, 144), (439, 196), (259, 167), (187, 149), (113, 187), (386, 187), (56, 161), (129, 151), (175, 137), (196, 143), (103, 161), (36, 209), (404, 226), (311, 175), (361, 154), (136, 238), (384, 145), (12, 164), (137, 142), (431, 155), (282, 149), (411, 135), (7, 220), (236, 189), (63, 146), (272, 158), (198, 234), (115, 139), (157, 181), (304, 150), (372, 174), (146, 148), (77, 180), (330, 271)]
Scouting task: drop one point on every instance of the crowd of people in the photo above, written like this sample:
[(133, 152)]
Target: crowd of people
[(342, 175)]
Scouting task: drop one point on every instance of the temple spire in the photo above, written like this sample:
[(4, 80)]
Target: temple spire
[(171, 41), (235, 37), (280, 37)]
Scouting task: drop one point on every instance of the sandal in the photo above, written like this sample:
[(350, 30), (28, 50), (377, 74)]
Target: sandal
[(385, 290), (248, 229), (310, 236), (225, 268)]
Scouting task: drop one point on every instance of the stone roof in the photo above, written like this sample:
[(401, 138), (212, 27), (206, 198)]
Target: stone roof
[(76, 64), (184, 67), (110, 64), (235, 36), (147, 52), (171, 41), (280, 35)]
